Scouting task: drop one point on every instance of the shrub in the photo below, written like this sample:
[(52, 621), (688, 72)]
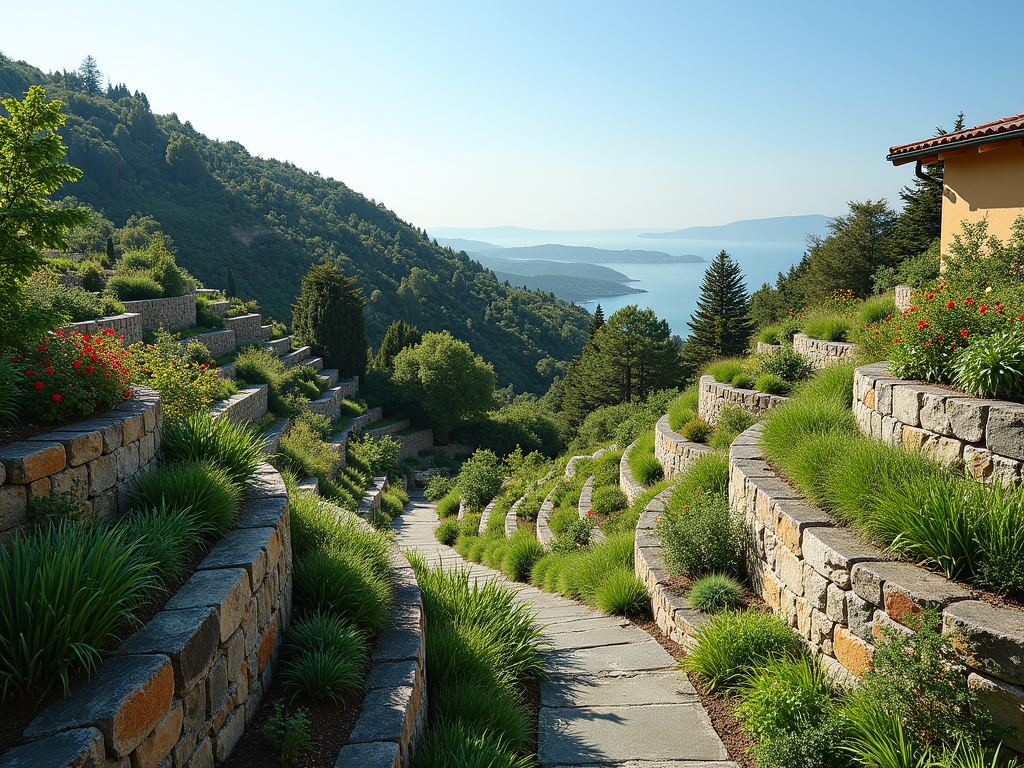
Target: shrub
[(91, 274), (164, 537), (696, 431), (66, 375), (438, 487), (769, 335), (725, 370), (456, 745), (324, 657), (230, 446), (608, 499), (391, 505), (344, 583), (828, 328), (303, 452), (198, 353), (771, 384), (447, 531), (469, 524), (732, 420), (700, 535), (380, 456), (574, 535), (70, 302), (480, 479), (64, 591), (449, 505), (789, 328), (523, 551), (288, 736), (714, 593), (560, 518), (992, 366), (788, 364), (730, 646), (623, 594), (185, 388), (200, 487), (302, 381), (134, 286)]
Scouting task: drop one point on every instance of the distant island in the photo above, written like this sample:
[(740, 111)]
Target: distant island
[(583, 253), (544, 267), (568, 288), (778, 229)]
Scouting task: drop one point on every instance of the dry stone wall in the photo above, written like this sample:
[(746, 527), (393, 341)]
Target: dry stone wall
[(245, 406), (986, 435), (182, 690), (544, 533), (247, 328), (715, 395), (822, 354), (672, 450), (97, 460), (904, 293), (172, 314), (627, 483), (128, 325), (414, 444), (217, 342), (841, 594), (767, 349)]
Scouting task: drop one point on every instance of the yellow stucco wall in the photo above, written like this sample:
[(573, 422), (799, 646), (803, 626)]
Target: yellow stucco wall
[(977, 184)]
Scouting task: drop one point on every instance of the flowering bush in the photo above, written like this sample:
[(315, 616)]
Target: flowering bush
[(925, 341), (185, 388), (67, 375)]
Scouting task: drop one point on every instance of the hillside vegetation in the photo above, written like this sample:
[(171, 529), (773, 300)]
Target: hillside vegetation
[(269, 221)]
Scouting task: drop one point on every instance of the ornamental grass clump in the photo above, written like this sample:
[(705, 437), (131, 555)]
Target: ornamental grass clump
[(198, 487), (725, 370), (715, 593), (696, 431), (608, 499), (683, 409), (449, 505), (165, 536), (642, 463), (523, 551), (447, 531), (829, 327), (786, 363), (199, 437), (324, 657)]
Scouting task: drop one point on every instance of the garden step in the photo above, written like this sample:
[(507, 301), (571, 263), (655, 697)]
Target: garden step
[(310, 484), (226, 371), (272, 435), (296, 357), (317, 363), (280, 346), (331, 374)]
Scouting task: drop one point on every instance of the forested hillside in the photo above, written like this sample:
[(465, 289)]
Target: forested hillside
[(268, 221)]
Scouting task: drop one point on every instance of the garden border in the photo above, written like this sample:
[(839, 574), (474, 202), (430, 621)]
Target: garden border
[(821, 353), (672, 450), (715, 395), (841, 594), (511, 524), (544, 534)]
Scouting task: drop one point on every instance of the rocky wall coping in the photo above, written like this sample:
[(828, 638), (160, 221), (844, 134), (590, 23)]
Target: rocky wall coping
[(672, 613), (544, 532), (272, 435), (841, 593), (329, 403), (714, 395), (330, 375), (627, 483), (484, 518), (297, 356), (97, 460), (511, 524), (672, 450), (388, 429), (247, 405), (395, 707), (821, 353), (371, 501), (945, 425), (182, 690)]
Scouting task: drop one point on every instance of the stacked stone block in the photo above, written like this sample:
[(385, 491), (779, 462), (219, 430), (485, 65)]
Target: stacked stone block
[(128, 325), (673, 451), (715, 395), (172, 314), (217, 342), (627, 483), (97, 460), (904, 294), (414, 444), (842, 594), (822, 354), (247, 328), (544, 533), (986, 435), (245, 406)]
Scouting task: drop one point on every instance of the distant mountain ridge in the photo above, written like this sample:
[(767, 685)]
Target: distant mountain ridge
[(587, 254), (778, 229)]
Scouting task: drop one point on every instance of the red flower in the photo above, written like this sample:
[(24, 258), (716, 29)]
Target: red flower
[(982, 308), (85, 337), (965, 334), (930, 296), (927, 344), (950, 305), (88, 369), (76, 365), (60, 331), (109, 332), (922, 324), (590, 512), (50, 371), (30, 373), (56, 398), (999, 307), (106, 375), (968, 301), (41, 349), (127, 393), (15, 359), (39, 385)]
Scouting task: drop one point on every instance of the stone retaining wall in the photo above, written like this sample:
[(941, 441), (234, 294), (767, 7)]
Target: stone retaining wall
[(903, 294), (583, 506), (987, 435), (394, 710), (280, 346), (715, 395), (822, 354), (629, 486), (272, 435), (485, 518), (672, 450), (672, 613), (544, 533), (329, 403), (414, 444), (511, 524), (245, 406), (840, 593), (767, 349), (217, 342), (349, 387), (182, 690), (388, 429), (128, 325), (97, 460), (247, 328), (172, 314), (220, 307)]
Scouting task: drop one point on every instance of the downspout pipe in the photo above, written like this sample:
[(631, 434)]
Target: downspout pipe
[(919, 172)]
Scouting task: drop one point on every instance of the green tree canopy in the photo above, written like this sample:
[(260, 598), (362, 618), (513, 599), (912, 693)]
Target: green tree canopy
[(721, 325), (31, 168), (398, 336), (328, 316), (444, 377), (858, 245)]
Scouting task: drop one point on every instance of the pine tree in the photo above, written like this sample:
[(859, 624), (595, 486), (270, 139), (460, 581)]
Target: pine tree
[(398, 336), (328, 316), (230, 289), (721, 326), (90, 76), (596, 322), (855, 249)]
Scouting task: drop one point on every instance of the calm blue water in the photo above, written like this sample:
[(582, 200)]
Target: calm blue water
[(672, 289)]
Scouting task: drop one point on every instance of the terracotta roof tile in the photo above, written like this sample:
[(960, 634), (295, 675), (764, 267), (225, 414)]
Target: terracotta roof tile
[(986, 132)]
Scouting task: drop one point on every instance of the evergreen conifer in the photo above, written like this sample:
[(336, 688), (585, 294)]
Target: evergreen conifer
[(596, 322), (398, 336), (110, 252), (230, 289), (721, 326), (328, 316)]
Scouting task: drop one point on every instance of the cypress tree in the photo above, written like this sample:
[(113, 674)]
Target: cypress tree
[(110, 253), (230, 290), (328, 316), (596, 322), (398, 336), (721, 326)]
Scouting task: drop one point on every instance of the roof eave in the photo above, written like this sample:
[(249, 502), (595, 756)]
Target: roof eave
[(901, 158)]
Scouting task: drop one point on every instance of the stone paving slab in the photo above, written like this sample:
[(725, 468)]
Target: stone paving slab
[(613, 698)]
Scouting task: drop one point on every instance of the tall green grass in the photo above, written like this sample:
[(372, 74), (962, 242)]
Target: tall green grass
[(642, 463), (829, 327), (200, 488), (232, 447)]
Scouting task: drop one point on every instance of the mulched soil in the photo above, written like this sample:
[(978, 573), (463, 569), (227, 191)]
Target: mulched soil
[(679, 585), (719, 708)]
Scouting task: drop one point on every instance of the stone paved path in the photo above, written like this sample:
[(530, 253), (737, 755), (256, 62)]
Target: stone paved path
[(613, 696)]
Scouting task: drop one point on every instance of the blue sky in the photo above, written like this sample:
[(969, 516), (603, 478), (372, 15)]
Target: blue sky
[(559, 115)]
